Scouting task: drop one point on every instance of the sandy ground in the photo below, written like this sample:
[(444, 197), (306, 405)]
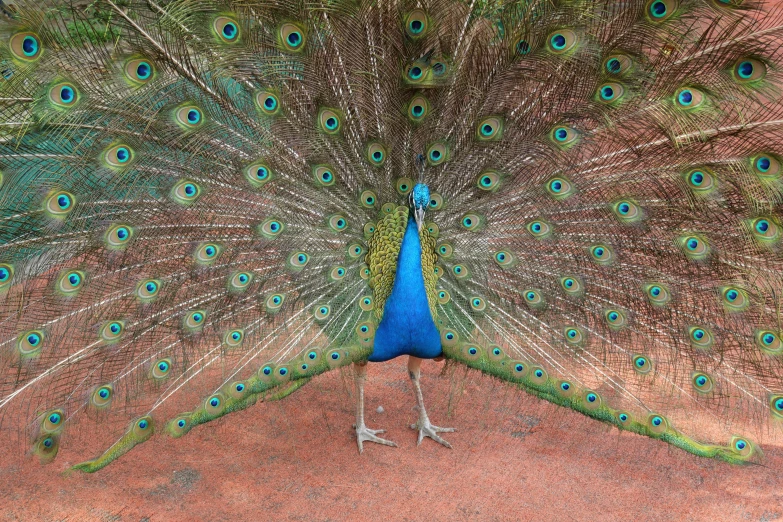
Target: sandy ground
[(514, 458)]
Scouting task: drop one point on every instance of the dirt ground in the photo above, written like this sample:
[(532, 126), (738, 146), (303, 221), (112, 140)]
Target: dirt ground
[(514, 458)]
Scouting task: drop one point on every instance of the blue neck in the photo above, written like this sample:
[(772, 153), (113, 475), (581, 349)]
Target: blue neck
[(407, 327)]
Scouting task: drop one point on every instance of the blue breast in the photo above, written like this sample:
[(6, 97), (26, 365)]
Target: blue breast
[(407, 327)]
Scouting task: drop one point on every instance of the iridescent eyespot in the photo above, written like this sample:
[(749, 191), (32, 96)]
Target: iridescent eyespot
[(25, 46), (658, 294), (695, 247), (185, 192), (562, 41), (355, 250), (572, 285), (259, 174), (533, 298), (742, 446), (437, 153), (700, 337), (445, 250), (769, 342), (52, 421), (460, 271), (417, 73), (368, 199), (660, 10), (490, 129), (292, 37), (139, 71), (161, 368), (748, 70), (337, 223), (215, 404), (376, 154), (29, 343), (573, 335), (601, 254), (615, 318), (641, 364), (609, 93), (488, 180), (329, 121), (63, 95), (118, 156), (626, 211), (118, 236), (336, 359), (617, 64), (147, 289), (702, 382), (505, 259), (701, 181), (559, 188), (188, 117), (443, 297), (624, 418), (321, 312), (478, 304), (776, 405), (297, 261), (234, 338), (101, 397), (68, 283), (6, 275), (539, 229), (765, 230), (274, 302), (689, 98), (271, 228), (766, 166), (207, 253), (418, 108), (563, 136), (448, 337), (59, 204), (734, 299), (591, 400), (112, 330), (471, 352), (404, 187), (416, 23), (471, 222), (436, 201), (194, 320), (226, 29), (366, 303), (268, 102), (657, 424), (522, 48), (565, 389), (537, 376)]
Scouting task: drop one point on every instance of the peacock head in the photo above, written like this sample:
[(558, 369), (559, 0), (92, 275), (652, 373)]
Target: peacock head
[(419, 201)]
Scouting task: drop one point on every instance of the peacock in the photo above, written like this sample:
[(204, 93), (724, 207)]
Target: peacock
[(226, 199)]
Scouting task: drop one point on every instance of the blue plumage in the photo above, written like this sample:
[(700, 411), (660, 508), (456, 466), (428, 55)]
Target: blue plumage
[(407, 327)]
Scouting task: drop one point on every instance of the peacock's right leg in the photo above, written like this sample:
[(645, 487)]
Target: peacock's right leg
[(363, 433)]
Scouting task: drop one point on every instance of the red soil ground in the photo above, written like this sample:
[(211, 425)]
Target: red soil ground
[(514, 458)]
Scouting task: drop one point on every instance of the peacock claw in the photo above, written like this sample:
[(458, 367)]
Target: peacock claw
[(427, 429), (364, 434)]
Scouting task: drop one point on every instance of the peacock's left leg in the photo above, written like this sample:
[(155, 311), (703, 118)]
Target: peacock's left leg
[(426, 429), (363, 433)]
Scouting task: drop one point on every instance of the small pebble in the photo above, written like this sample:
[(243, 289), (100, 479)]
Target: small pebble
[(380, 409)]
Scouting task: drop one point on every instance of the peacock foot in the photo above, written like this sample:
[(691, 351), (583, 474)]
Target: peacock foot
[(364, 434), (427, 429)]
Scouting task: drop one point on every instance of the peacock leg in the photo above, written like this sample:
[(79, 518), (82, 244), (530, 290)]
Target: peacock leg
[(426, 429), (363, 433)]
